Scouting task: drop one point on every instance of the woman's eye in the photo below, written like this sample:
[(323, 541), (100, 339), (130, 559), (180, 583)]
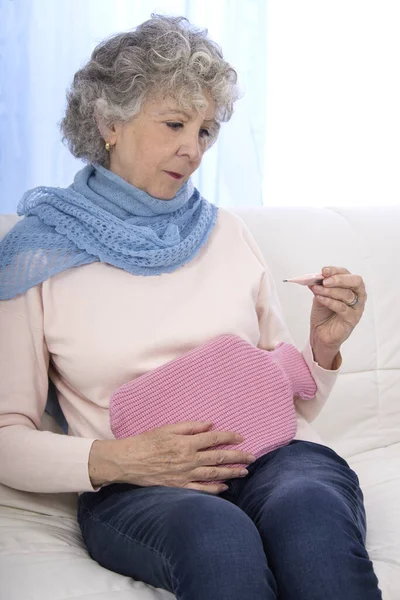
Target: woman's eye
[(175, 126)]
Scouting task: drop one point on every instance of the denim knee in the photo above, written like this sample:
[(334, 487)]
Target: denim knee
[(313, 533), (203, 525), (213, 540), (309, 509)]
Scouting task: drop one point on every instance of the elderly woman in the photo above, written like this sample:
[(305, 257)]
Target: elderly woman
[(130, 268)]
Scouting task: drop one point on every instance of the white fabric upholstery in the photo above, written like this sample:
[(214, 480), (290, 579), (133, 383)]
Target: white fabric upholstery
[(42, 556)]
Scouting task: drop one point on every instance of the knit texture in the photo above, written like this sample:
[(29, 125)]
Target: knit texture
[(101, 217), (227, 381)]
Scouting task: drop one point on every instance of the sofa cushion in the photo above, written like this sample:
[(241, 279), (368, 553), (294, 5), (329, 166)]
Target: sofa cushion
[(379, 474), (362, 412), (41, 550), (44, 558), (37, 548)]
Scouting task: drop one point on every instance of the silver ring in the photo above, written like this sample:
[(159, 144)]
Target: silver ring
[(354, 301)]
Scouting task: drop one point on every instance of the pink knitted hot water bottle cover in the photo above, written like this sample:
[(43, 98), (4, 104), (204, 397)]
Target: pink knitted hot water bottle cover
[(227, 381)]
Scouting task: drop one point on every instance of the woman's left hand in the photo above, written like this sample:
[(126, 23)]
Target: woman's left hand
[(337, 307)]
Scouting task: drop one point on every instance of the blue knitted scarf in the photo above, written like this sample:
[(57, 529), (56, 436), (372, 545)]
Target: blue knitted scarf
[(101, 217)]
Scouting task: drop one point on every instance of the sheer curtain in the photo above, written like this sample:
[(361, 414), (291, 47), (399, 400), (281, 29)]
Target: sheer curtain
[(318, 125), (333, 98), (43, 43)]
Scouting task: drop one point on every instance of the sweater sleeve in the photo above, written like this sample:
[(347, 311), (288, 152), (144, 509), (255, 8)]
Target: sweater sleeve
[(273, 329), (30, 459)]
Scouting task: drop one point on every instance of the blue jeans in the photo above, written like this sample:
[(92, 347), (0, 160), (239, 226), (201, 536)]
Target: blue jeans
[(293, 529)]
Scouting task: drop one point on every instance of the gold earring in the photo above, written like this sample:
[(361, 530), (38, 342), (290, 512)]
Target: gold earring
[(108, 146)]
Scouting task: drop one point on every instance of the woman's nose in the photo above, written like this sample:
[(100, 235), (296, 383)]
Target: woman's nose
[(190, 146)]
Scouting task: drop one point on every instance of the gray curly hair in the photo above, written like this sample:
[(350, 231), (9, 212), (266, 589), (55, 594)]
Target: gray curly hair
[(164, 56)]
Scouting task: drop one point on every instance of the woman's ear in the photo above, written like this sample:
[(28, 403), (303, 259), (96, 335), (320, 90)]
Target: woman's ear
[(108, 134)]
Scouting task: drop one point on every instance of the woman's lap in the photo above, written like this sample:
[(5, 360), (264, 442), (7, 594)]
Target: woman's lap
[(168, 537), (292, 472), (284, 527), (308, 508)]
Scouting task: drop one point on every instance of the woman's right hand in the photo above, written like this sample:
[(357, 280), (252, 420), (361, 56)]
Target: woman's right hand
[(176, 455)]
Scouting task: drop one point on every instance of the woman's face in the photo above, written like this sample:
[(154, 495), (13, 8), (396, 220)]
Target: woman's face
[(159, 149)]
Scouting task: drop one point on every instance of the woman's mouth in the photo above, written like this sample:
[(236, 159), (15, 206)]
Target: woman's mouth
[(174, 175)]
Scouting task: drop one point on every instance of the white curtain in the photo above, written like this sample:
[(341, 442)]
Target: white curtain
[(319, 123), (43, 43), (333, 103)]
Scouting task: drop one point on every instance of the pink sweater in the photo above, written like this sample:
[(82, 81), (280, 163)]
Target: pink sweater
[(96, 327)]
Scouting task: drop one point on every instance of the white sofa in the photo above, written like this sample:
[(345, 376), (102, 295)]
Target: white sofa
[(42, 555)]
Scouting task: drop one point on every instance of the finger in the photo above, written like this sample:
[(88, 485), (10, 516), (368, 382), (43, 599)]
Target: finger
[(343, 294), (218, 473), (211, 488), (187, 427), (224, 457), (331, 270), (347, 313), (347, 280), (216, 438), (351, 281)]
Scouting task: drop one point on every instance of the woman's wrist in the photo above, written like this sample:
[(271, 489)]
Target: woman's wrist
[(102, 469), (327, 357)]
